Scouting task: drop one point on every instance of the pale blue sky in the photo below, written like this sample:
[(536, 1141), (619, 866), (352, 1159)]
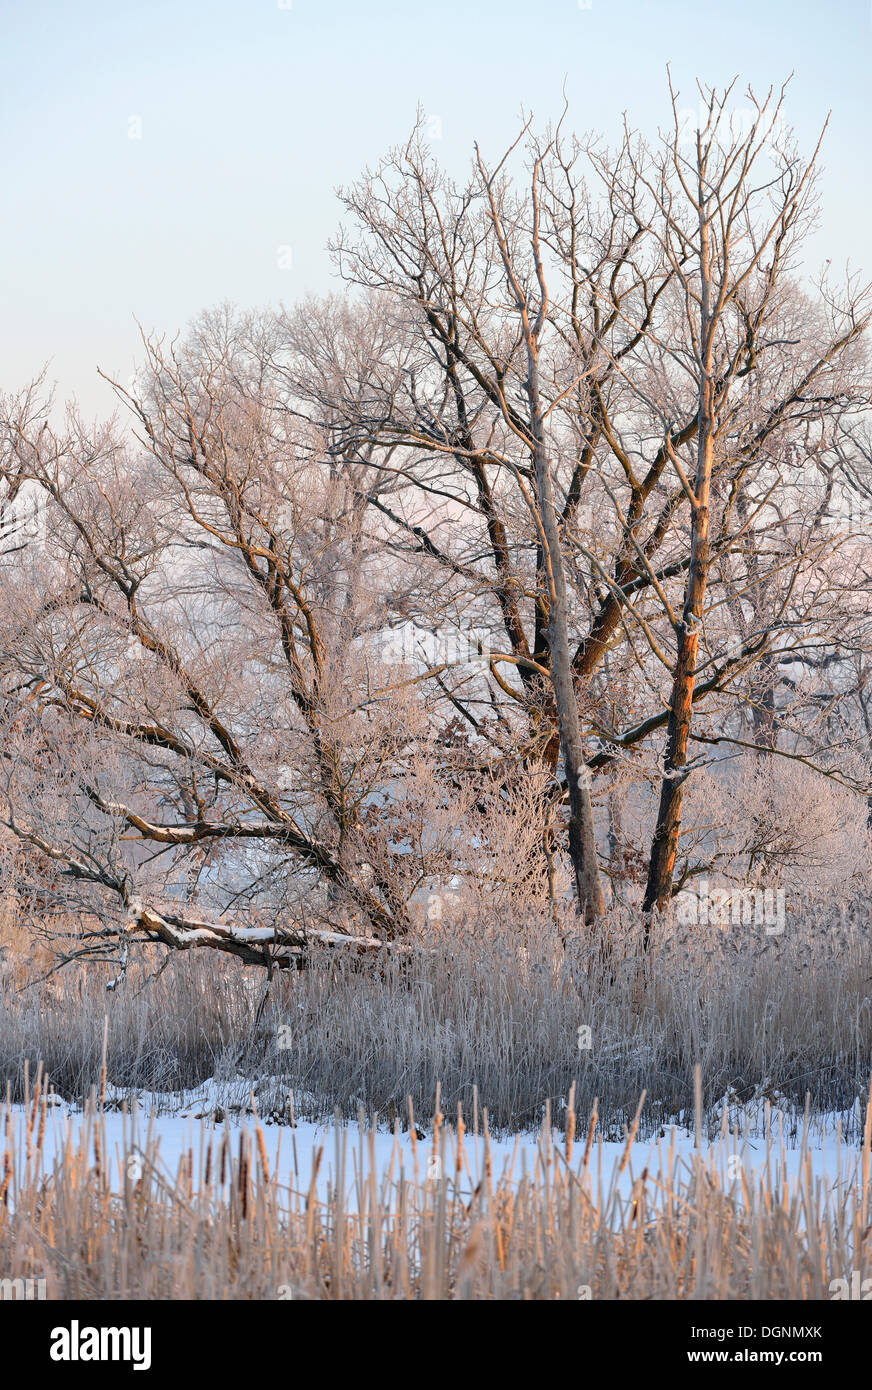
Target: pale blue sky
[(252, 114)]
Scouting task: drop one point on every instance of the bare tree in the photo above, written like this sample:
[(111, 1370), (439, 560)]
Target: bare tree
[(729, 239), (681, 358), (583, 414), (182, 657)]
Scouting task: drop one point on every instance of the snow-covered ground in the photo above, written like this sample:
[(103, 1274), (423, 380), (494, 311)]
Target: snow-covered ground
[(755, 1141)]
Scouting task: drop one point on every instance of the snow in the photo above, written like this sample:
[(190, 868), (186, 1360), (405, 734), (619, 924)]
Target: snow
[(759, 1140)]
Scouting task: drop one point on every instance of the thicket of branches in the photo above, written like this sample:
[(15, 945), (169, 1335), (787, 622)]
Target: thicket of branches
[(462, 580)]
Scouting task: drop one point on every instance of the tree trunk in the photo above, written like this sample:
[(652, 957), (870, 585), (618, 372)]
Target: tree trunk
[(582, 840), (664, 846)]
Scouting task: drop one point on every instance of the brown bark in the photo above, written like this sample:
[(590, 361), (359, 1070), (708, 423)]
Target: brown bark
[(582, 839), (664, 846)]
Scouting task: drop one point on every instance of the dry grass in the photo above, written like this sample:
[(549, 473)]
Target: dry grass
[(490, 1005), (486, 1006), (226, 1229)]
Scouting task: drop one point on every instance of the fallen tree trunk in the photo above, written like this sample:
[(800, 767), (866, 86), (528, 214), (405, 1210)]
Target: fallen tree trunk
[(271, 947)]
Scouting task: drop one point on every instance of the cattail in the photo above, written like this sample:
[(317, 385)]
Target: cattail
[(103, 1067), (570, 1123), (261, 1149)]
